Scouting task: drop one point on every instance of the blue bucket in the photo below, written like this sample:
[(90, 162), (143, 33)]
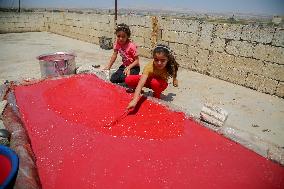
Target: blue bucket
[(14, 160)]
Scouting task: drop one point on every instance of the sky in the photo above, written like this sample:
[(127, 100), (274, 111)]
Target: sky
[(271, 7)]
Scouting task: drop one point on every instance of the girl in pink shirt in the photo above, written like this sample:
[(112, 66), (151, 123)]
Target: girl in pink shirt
[(128, 51)]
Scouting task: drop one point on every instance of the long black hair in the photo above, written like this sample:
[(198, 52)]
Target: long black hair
[(123, 27), (172, 65)]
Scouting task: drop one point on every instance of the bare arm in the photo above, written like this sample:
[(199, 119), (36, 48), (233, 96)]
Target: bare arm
[(175, 81), (137, 92), (133, 64), (112, 60)]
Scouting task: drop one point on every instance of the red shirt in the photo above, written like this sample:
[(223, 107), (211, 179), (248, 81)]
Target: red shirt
[(128, 52)]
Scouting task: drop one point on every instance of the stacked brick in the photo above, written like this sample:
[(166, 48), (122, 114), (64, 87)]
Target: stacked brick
[(247, 55)]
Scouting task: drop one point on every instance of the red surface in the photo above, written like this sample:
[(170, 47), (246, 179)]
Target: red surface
[(67, 121), (5, 168)]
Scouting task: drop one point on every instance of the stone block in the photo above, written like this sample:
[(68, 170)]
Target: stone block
[(233, 75), (185, 25), (218, 45), (249, 65), (269, 53), (187, 62), (206, 35), (228, 31), (171, 36), (138, 40), (280, 90), (253, 81), (257, 33), (202, 60), (240, 48), (274, 71), (188, 38), (148, 43), (222, 60), (261, 83), (192, 52), (141, 31), (132, 20), (179, 49), (165, 24), (278, 39), (146, 52), (268, 86)]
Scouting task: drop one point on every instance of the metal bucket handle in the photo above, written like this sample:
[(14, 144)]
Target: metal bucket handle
[(62, 69)]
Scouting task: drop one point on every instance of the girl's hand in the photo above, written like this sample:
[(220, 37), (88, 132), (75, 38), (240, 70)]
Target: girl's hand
[(126, 71), (131, 104), (107, 67), (175, 83)]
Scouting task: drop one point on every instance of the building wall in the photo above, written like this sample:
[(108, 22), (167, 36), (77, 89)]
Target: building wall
[(247, 55)]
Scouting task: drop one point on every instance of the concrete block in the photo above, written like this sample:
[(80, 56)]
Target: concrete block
[(257, 33), (269, 53), (240, 48), (278, 39), (228, 31), (280, 90), (213, 114)]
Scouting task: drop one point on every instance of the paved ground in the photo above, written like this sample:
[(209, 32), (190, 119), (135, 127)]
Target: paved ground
[(255, 119)]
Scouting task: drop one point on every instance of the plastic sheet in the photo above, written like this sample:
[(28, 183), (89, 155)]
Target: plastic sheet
[(27, 175)]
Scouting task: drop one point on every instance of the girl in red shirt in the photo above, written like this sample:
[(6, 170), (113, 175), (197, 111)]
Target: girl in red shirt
[(128, 51)]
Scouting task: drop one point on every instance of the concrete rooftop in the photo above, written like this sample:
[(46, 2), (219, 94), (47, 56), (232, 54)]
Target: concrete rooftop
[(256, 120)]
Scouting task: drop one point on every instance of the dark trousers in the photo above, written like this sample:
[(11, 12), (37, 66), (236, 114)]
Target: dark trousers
[(119, 76)]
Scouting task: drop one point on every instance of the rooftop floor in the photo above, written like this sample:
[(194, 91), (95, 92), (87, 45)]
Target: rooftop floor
[(255, 119)]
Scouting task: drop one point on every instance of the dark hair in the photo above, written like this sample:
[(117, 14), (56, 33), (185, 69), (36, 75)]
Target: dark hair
[(123, 27), (172, 65)]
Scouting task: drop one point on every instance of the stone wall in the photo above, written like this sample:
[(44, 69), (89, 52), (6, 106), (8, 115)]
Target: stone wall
[(21, 22), (247, 55)]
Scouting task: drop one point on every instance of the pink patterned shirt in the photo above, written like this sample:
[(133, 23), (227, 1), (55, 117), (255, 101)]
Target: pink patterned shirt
[(128, 52)]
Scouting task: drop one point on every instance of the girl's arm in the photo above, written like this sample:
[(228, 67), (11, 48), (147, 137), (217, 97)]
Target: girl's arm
[(137, 92), (175, 81), (133, 64), (112, 60)]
